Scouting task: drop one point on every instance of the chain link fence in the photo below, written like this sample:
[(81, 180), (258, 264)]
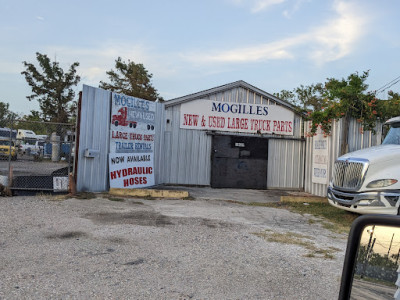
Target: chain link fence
[(36, 156)]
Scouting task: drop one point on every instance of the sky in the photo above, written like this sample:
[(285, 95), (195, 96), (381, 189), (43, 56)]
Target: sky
[(190, 46)]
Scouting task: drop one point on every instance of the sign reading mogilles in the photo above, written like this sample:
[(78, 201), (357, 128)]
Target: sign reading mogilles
[(237, 117), (132, 131)]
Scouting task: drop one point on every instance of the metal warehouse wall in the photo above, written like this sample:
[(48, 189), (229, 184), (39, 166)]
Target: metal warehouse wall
[(92, 173), (187, 153), (356, 141), (285, 164)]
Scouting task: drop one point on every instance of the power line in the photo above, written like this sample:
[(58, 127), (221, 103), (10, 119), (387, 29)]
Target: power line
[(388, 85)]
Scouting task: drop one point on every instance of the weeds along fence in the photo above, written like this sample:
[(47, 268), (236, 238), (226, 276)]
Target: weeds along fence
[(36, 156)]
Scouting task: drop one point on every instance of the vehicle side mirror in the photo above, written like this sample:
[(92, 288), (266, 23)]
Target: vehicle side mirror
[(371, 266)]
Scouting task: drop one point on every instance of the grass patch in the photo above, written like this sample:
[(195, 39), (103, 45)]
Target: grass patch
[(334, 219), (85, 196), (116, 199), (373, 280), (299, 240)]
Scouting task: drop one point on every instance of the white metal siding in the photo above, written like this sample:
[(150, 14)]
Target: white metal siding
[(187, 153), (356, 141), (285, 164), (92, 173)]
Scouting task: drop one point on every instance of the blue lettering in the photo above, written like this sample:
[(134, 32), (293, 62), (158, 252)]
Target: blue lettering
[(225, 107), (216, 107)]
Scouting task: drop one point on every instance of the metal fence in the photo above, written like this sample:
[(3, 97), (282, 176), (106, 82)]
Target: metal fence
[(36, 156), (357, 139)]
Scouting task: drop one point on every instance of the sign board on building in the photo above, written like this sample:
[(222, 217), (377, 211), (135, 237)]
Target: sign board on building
[(320, 158), (131, 158), (236, 117)]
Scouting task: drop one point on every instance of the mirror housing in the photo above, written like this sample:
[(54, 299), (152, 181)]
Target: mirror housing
[(353, 244)]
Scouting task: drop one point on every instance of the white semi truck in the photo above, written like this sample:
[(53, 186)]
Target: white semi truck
[(368, 181)]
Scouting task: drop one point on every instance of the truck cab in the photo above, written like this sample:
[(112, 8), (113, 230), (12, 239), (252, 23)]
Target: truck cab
[(368, 181)]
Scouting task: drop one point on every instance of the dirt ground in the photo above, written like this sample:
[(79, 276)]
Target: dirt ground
[(125, 248)]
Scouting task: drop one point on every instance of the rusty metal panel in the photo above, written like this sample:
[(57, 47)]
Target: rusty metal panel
[(92, 172), (285, 164), (159, 143)]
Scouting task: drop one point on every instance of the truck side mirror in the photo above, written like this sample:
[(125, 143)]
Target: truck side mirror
[(371, 266)]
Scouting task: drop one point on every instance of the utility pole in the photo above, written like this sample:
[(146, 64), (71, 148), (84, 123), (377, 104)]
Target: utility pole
[(371, 233), (390, 245)]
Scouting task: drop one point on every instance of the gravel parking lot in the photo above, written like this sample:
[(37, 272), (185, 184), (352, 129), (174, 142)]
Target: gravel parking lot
[(162, 249)]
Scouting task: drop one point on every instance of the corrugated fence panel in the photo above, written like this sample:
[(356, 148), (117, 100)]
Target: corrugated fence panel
[(186, 153), (356, 141), (285, 164), (92, 173)]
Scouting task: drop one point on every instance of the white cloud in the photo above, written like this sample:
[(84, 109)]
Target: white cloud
[(39, 18), (338, 37), (328, 42), (288, 13)]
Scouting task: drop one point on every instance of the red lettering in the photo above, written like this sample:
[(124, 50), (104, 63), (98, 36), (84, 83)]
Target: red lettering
[(190, 120), (113, 175)]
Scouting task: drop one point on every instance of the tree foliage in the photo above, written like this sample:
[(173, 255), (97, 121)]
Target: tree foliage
[(34, 122), (305, 98), (342, 98), (6, 115), (131, 79), (52, 88)]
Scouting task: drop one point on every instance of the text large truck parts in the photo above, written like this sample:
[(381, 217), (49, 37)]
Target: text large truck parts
[(368, 181)]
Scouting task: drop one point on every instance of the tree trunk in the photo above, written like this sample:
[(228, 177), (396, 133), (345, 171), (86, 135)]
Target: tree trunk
[(344, 142)]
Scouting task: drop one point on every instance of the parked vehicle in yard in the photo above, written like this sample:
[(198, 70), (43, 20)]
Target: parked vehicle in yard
[(368, 181), (5, 149), (30, 147)]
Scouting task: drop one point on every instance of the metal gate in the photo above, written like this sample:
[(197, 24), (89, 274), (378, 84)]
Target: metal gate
[(36, 156), (239, 162)]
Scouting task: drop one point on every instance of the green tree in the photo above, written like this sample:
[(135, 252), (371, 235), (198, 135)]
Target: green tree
[(34, 122), (305, 98), (6, 116), (131, 79), (52, 88)]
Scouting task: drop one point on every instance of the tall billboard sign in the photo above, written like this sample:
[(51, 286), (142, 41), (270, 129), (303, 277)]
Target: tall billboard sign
[(131, 158), (236, 117)]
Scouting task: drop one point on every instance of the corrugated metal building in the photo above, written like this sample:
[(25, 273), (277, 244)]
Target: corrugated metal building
[(231, 159)]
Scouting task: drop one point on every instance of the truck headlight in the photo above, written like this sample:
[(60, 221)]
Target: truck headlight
[(381, 183)]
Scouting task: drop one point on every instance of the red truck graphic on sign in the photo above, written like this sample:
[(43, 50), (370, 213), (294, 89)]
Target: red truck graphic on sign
[(121, 118)]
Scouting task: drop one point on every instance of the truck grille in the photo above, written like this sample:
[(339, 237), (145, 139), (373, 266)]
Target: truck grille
[(348, 175)]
